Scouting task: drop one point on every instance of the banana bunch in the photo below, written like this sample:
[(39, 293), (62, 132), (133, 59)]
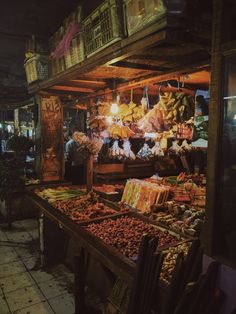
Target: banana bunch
[(177, 107), (131, 112), (127, 112), (120, 131)]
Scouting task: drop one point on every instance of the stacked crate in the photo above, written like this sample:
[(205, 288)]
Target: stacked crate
[(103, 26)]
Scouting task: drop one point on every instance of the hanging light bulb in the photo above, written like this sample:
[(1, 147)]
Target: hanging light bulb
[(109, 119), (114, 108)]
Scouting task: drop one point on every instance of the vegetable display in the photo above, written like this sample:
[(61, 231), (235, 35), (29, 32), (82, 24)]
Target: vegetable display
[(59, 193)]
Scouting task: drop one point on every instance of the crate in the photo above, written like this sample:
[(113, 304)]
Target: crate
[(141, 13), (103, 26), (36, 68)]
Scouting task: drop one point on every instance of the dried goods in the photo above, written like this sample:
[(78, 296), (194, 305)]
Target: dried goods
[(108, 188), (84, 208), (125, 234), (170, 260), (180, 217)]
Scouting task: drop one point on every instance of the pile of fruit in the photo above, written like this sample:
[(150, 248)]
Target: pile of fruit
[(85, 207), (125, 234), (59, 193)]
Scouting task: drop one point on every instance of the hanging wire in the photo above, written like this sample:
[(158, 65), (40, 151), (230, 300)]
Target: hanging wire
[(146, 94)]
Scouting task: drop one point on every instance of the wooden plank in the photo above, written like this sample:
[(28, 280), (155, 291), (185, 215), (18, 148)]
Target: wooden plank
[(89, 82), (89, 173), (72, 89), (133, 65)]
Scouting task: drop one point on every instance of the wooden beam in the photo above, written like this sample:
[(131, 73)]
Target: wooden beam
[(133, 65), (72, 89), (89, 82)]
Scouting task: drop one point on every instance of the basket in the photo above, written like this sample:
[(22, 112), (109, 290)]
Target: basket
[(36, 68), (76, 52), (103, 26), (141, 13)]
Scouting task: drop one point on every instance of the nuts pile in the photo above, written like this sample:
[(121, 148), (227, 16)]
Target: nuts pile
[(125, 234), (83, 208), (170, 260)]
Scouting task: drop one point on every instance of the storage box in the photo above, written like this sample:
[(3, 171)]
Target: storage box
[(141, 13), (103, 26), (36, 68)]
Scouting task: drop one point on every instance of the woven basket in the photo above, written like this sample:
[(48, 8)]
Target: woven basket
[(103, 26), (36, 68)]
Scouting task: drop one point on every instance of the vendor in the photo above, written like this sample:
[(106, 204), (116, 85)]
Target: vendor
[(76, 157)]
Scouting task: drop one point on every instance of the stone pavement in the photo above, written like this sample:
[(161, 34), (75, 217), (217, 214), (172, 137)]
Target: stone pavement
[(24, 287)]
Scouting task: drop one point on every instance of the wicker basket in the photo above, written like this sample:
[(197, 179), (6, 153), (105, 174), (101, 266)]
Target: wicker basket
[(141, 13), (76, 52), (103, 26), (36, 68)]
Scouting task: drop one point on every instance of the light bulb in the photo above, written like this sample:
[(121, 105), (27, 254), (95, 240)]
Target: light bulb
[(114, 108), (109, 120)]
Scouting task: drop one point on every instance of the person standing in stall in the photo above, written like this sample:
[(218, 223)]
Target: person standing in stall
[(76, 158)]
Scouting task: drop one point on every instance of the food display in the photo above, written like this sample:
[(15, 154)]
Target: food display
[(142, 195), (180, 217), (170, 257), (82, 208), (59, 193), (125, 233), (109, 188)]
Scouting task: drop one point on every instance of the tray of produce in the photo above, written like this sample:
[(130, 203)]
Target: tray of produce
[(122, 234), (181, 218), (83, 208), (110, 192), (75, 210), (52, 194)]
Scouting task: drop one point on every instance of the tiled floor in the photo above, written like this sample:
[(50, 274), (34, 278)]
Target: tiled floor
[(24, 288)]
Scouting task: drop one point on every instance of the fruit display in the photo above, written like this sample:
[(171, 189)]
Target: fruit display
[(170, 257), (125, 233), (85, 207), (180, 218), (97, 123), (173, 107), (127, 112), (59, 193), (142, 195), (120, 131)]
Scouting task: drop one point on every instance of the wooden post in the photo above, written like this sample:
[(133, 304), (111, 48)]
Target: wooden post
[(89, 173), (49, 141)]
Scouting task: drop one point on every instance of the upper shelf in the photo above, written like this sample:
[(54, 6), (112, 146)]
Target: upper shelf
[(168, 46)]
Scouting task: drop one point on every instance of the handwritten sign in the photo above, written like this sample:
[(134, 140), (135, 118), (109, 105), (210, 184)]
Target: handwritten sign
[(51, 118)]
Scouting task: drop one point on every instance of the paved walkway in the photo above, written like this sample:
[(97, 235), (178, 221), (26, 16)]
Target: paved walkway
[(24, 288)]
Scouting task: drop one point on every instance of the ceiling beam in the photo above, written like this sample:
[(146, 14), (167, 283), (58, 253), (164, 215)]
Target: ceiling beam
[(72, 89), (89, 82), (139, 66)]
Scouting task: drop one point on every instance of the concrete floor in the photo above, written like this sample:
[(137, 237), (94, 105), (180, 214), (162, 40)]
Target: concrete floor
[(24, 287)]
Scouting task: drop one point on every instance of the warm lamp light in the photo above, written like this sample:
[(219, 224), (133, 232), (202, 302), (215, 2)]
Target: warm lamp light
[(114, 108), (109, 120)]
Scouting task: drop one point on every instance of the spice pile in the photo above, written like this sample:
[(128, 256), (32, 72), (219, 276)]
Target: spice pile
[(85, 207), (125, 234)]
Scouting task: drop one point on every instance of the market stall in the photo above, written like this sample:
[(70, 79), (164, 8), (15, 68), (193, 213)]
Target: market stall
[(146, 97)]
